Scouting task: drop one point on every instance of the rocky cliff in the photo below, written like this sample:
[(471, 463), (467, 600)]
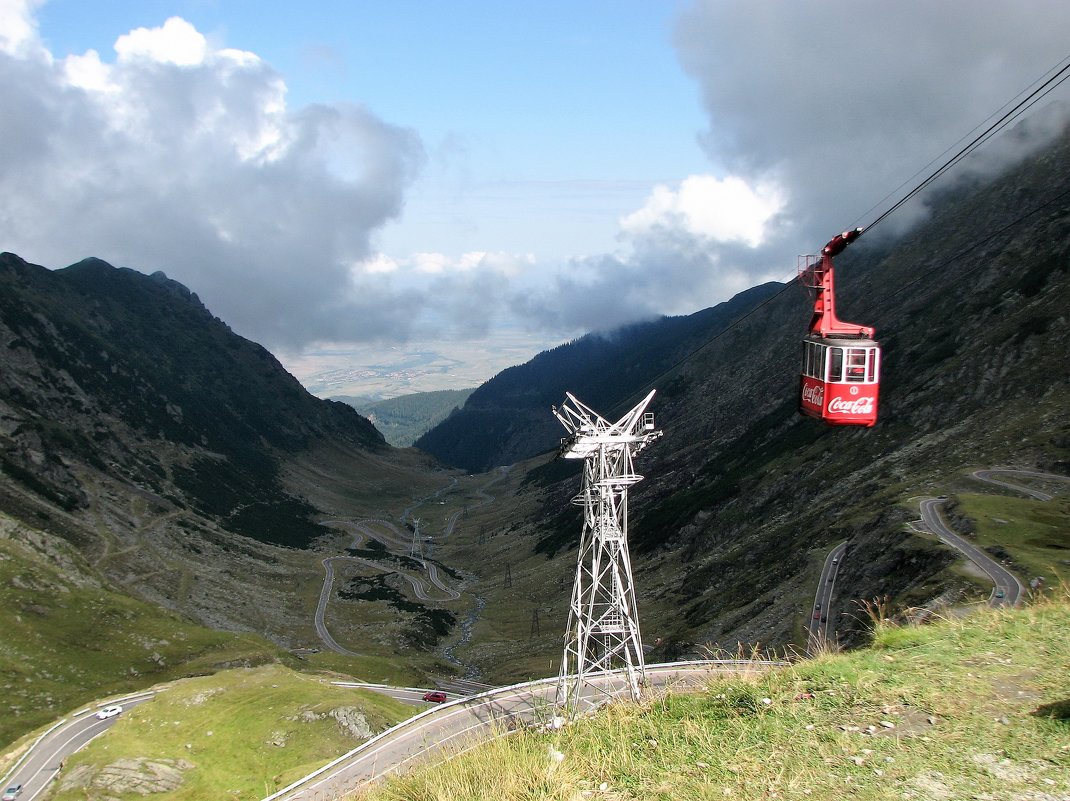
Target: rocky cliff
[(131, 375)]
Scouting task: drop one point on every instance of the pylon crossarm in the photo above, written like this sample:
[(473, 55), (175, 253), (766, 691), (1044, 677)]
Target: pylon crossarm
[(631, 422), (575, 416), (588, 429)]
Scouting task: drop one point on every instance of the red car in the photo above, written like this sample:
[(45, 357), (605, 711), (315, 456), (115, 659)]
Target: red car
[(435, 697)]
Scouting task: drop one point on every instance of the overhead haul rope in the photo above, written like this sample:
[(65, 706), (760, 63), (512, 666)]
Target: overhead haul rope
[(1057, 75)]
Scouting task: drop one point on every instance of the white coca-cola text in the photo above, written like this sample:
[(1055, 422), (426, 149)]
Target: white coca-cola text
[(814, 394), (856, 406)]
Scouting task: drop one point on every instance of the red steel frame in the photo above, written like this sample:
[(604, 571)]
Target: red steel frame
[(820, 276)]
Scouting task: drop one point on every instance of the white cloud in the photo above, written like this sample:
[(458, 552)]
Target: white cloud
[(845, 100), (18, 27), (175, 42), (175, 154), (505, 264), (377, 263), (172, 153), (825, 97), (428, 263), (728, 210), (88, 72)]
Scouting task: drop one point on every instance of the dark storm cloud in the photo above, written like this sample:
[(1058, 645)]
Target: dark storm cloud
[(843, 102)]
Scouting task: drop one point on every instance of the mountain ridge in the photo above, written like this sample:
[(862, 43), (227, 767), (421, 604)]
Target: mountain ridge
[(504, 420), (187, 382)]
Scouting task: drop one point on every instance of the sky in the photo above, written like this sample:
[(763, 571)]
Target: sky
[(476, 180)]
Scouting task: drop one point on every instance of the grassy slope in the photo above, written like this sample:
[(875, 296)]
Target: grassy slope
[(241, 730), (67, 640), (936, 712), (66, 644), (1033, 532)]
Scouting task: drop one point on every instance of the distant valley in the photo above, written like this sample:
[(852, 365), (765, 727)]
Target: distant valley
[(404, 419)]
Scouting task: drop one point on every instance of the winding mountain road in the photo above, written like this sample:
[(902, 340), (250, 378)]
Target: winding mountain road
[(456, 726), (817, 625), (321, 608), (36, 769), (400, 541), (1008, 590), (989, 476), (419, 588)]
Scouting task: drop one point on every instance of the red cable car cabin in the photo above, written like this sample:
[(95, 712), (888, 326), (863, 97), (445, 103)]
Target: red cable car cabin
[(841, 361)]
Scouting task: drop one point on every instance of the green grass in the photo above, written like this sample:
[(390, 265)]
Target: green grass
[(244, 734), (374, 669), (944, 711), (1035, 533), (67, 641)]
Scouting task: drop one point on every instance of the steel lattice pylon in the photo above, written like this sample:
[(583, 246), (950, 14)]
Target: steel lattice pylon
[(603, 624)]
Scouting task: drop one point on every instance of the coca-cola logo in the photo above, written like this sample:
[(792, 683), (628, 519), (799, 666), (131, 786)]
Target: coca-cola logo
[(840, 405), (814, 394)]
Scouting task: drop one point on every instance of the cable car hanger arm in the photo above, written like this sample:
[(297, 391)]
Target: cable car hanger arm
[(820, 275)]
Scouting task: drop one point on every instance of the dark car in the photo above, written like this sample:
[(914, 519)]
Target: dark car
[(435, 697)]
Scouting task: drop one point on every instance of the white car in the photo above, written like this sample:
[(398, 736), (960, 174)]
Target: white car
[(109, 712)]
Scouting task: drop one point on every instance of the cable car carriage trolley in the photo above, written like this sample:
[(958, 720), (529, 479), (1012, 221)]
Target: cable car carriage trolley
[(841, 361)]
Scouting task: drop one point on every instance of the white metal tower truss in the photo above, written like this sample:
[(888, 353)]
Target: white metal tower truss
[(603, 625), (417, 549)]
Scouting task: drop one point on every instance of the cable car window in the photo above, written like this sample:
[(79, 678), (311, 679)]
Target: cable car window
[(856, 364), (819, 368), (812, 359), (871, 374), (835, 364)]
